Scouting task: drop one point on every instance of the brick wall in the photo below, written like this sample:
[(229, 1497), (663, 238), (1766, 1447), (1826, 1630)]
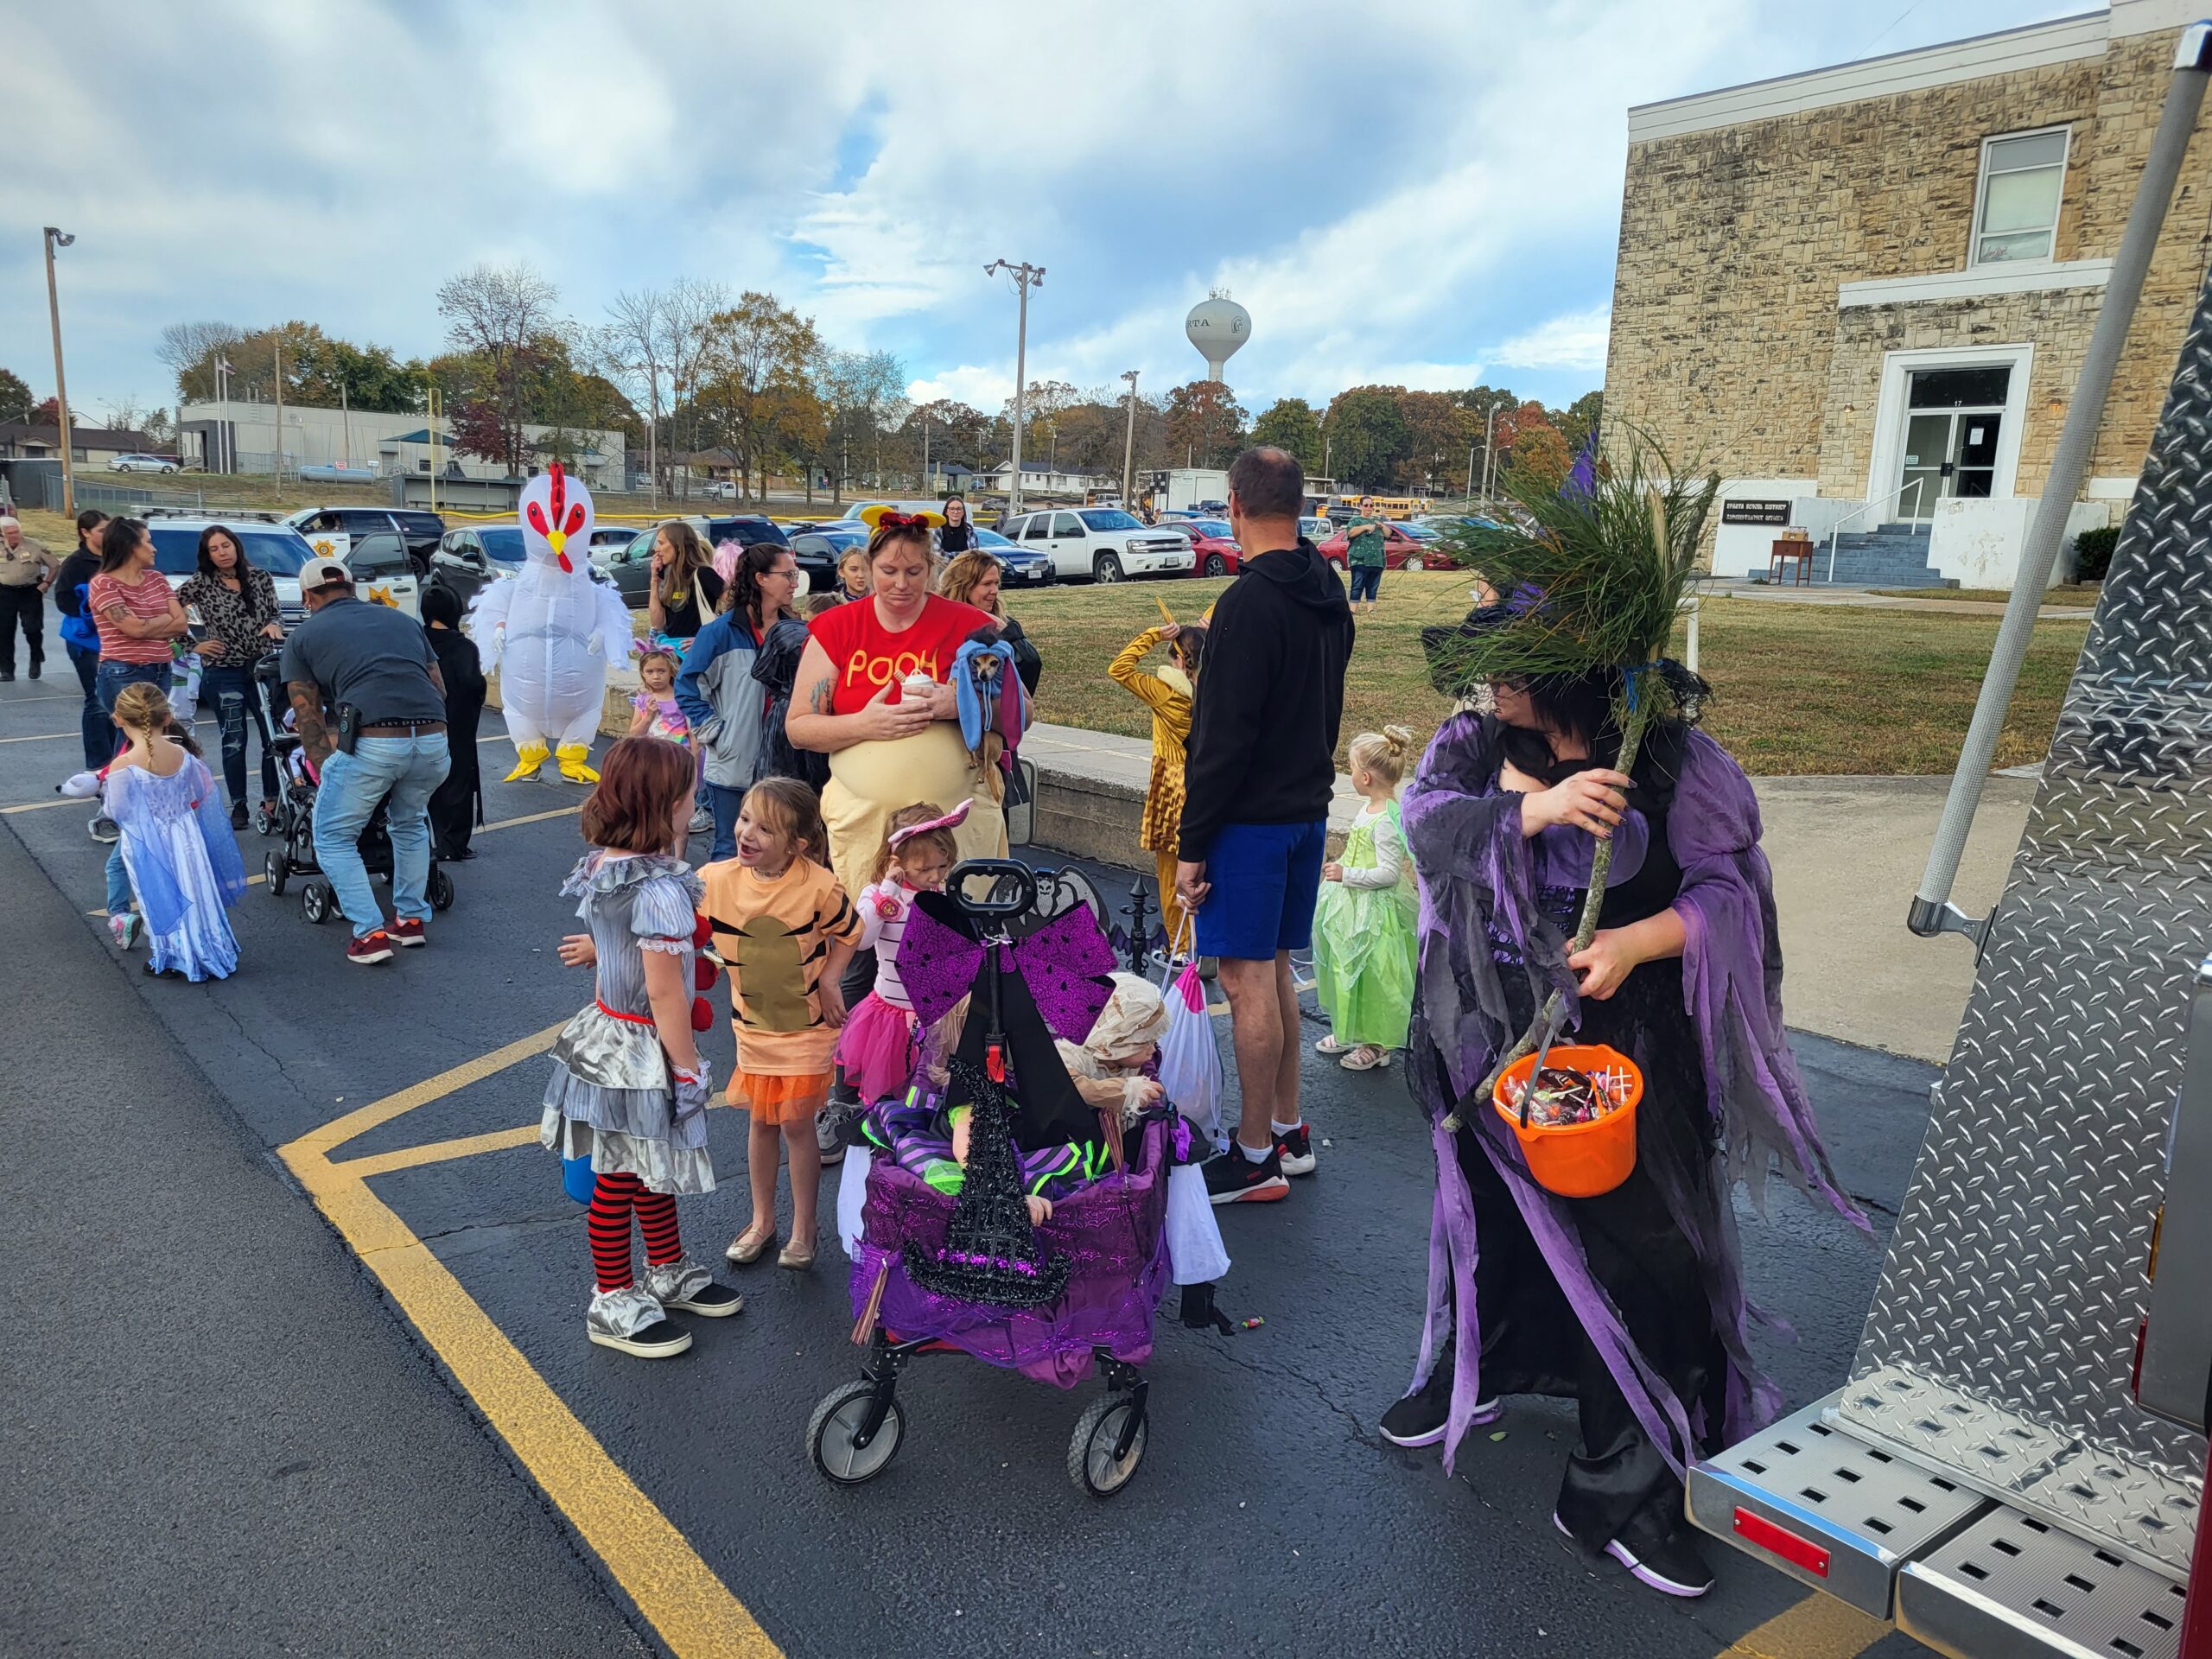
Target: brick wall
[(1726, 339)]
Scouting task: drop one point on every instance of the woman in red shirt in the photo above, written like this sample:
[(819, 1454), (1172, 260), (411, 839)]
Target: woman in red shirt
[(133, 610), (872, 693)]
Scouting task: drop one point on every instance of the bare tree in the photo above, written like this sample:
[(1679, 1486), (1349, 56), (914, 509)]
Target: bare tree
[(126, 413), (190, 349), (497, 314), (689, 307), (630, 349)]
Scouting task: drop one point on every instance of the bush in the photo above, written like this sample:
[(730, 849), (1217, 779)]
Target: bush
[(2093, 553)]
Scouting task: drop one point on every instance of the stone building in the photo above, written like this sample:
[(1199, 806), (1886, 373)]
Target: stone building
[(1865, 291)]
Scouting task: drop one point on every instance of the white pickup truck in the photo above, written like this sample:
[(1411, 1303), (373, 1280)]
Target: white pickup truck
[(1101, 544)]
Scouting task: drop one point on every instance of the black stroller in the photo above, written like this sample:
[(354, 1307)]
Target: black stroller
[(293, 824)]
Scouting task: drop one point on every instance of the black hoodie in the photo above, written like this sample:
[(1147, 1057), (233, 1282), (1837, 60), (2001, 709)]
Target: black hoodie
[(1270, 699)]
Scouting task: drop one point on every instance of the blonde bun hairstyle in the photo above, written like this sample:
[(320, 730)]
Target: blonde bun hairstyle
[(1386, 754)]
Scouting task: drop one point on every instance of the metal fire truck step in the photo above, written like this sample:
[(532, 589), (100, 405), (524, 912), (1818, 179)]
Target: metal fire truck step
[(2009, 1584), (1828, 1508)]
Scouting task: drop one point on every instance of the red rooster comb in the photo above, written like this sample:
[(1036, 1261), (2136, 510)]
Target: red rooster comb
[(573, 522)]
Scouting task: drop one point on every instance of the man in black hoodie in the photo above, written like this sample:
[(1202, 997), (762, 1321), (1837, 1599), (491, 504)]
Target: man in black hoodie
[(1257, 783)]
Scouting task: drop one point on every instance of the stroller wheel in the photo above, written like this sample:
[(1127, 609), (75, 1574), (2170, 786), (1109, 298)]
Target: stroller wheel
[(265, 821), (1098, 1462), (277, 867), (314, 902), (833, 1435), (440, 889)]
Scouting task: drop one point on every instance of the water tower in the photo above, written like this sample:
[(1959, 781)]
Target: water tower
[(1217, 326)]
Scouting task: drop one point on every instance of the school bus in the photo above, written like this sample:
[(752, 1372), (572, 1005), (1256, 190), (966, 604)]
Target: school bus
[(1388, 506)]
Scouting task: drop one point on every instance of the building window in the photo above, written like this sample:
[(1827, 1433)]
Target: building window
[(2016, 205), (77, 452)]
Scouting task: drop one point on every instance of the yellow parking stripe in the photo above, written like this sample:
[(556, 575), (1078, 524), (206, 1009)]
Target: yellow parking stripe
[(1818, 1627), (690, 1609)]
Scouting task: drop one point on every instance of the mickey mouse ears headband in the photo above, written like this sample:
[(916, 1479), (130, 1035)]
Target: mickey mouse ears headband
[(952, 820), (880, 518)]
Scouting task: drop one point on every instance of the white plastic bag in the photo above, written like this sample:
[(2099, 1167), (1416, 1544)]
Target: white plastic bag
[(1189, 1064), (852, 1196)]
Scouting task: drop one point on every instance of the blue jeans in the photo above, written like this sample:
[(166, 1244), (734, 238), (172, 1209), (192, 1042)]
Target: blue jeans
[(402, 772), (1366, 582), (108, 683), (236, 695), (723, 802), (99, 735)]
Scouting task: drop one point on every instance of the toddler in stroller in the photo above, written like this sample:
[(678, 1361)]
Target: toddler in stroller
[(292, 825), (1047, 1247)]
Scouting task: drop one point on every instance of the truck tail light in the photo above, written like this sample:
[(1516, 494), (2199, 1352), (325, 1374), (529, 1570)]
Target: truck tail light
[(1775, 1541)]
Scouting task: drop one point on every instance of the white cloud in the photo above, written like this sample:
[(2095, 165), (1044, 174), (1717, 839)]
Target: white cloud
[(1575, 340), (980, 388)]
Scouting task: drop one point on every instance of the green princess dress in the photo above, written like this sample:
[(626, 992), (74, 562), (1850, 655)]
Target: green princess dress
[(1363, 934)]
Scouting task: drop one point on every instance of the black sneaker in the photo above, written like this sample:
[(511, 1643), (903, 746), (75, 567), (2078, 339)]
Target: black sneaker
[(1671, 1564), (238, 815), (1420, 1418), (103, 830), (1234, 1178), (1295, 1148)]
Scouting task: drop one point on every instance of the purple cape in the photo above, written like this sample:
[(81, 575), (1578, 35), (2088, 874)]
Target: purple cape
[(1479, 874)]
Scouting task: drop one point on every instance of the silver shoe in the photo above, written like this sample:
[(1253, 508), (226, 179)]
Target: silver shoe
[(633, 1321), (687, 1288)]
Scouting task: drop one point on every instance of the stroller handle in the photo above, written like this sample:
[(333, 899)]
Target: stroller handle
[(997, 901)]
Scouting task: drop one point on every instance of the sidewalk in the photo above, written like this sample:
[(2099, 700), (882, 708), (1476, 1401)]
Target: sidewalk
[(1847, 854), (1867, 599)]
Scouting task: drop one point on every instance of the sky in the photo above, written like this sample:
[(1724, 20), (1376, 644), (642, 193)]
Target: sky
[(1423, 193)]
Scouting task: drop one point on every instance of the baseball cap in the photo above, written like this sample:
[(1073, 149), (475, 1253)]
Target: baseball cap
[(322, 571)]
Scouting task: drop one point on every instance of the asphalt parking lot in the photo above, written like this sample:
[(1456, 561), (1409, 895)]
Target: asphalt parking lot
[(395, 1272)]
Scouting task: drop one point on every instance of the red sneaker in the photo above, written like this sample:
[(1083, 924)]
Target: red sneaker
[(370, 947), (407, 930)]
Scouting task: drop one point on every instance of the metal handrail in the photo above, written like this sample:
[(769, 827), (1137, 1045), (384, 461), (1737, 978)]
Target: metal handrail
[(1913, 487)]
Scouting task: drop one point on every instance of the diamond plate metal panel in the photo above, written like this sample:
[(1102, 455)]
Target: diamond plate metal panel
[(2001, 1336)]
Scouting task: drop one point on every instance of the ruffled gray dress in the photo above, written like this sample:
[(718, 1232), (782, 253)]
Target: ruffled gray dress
[(611, 1098)]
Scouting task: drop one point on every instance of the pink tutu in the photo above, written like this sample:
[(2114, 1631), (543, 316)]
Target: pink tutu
[(877, 1048)]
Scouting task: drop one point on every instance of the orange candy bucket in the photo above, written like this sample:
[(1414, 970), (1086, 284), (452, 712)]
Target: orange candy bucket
[(1577, 1160)]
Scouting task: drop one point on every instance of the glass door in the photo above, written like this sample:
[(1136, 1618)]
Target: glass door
[(1927, 459), (1974, 471)]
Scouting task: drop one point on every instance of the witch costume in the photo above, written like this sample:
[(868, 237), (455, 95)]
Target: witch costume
[(1631, 1303)]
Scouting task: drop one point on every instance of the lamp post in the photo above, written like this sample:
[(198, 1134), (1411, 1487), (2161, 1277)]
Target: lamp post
[(226, 439), (1130, 444), (1026, 276), (1490, 455), (56, 238)]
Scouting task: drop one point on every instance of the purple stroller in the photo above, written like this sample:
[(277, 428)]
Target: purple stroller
[(935, 1273)]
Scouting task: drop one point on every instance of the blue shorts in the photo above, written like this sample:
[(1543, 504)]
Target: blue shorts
[(1266, 878)]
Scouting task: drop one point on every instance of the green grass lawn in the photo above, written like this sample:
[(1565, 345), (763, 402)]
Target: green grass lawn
[(1799, 688)]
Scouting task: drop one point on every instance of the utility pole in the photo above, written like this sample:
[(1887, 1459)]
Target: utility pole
[(60, 239), (1026, 276), (926, 490), (345, 428), (1470, 471), (1130, 444), (280, 412), (226, 439), (1490, 455)]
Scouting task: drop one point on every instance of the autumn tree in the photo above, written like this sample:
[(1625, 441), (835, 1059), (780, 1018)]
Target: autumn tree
[(16, 400), (1367, 435), (754, 370), (1291, 425), (497, 313), (862, 392), (1582, 419), (1440, 432), (1205, 424)]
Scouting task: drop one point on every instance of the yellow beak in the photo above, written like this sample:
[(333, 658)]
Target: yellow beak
[(559, 540)]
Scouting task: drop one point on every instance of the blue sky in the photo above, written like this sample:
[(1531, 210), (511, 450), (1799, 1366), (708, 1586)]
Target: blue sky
[(1422, 192)]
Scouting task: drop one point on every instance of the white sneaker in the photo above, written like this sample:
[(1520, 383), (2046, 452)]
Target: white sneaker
[(124, 928)]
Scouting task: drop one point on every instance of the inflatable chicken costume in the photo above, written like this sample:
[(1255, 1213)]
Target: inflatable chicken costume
[(552, 632)]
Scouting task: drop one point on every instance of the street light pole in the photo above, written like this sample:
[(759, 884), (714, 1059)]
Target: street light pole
[(1490, 454), (1026, 276), (1130, 444), (56, 238)]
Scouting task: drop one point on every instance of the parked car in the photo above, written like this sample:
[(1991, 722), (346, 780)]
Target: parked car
[(1316, 529), (1214, 552), (630, 565), (332, 530), (1104, 543), (1020, 566), (1405, 547), (281, 550), (719, 489), (818, 549), (144, 464)]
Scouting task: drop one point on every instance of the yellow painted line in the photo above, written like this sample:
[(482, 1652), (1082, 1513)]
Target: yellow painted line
[(690, 1609), (1818, 1627), (358, 1121), (86, 801), (439, 1152), (41, 737)]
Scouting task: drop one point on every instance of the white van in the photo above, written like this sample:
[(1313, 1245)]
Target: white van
[(1101, 544)]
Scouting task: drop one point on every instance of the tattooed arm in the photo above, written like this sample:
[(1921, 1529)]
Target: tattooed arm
[(307, 714), (811, 725)]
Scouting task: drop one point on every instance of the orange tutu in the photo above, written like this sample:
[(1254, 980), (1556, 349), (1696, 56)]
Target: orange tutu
[(780, 1100)]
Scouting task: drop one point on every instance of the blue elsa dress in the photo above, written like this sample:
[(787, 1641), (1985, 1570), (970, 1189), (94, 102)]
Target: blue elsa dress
[(184, 866)]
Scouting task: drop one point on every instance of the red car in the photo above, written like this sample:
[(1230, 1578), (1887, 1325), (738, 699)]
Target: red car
[(1212, 553), (1405, 547)]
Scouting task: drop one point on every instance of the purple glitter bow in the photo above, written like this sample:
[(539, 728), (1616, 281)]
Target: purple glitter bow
[(1064, 963)]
